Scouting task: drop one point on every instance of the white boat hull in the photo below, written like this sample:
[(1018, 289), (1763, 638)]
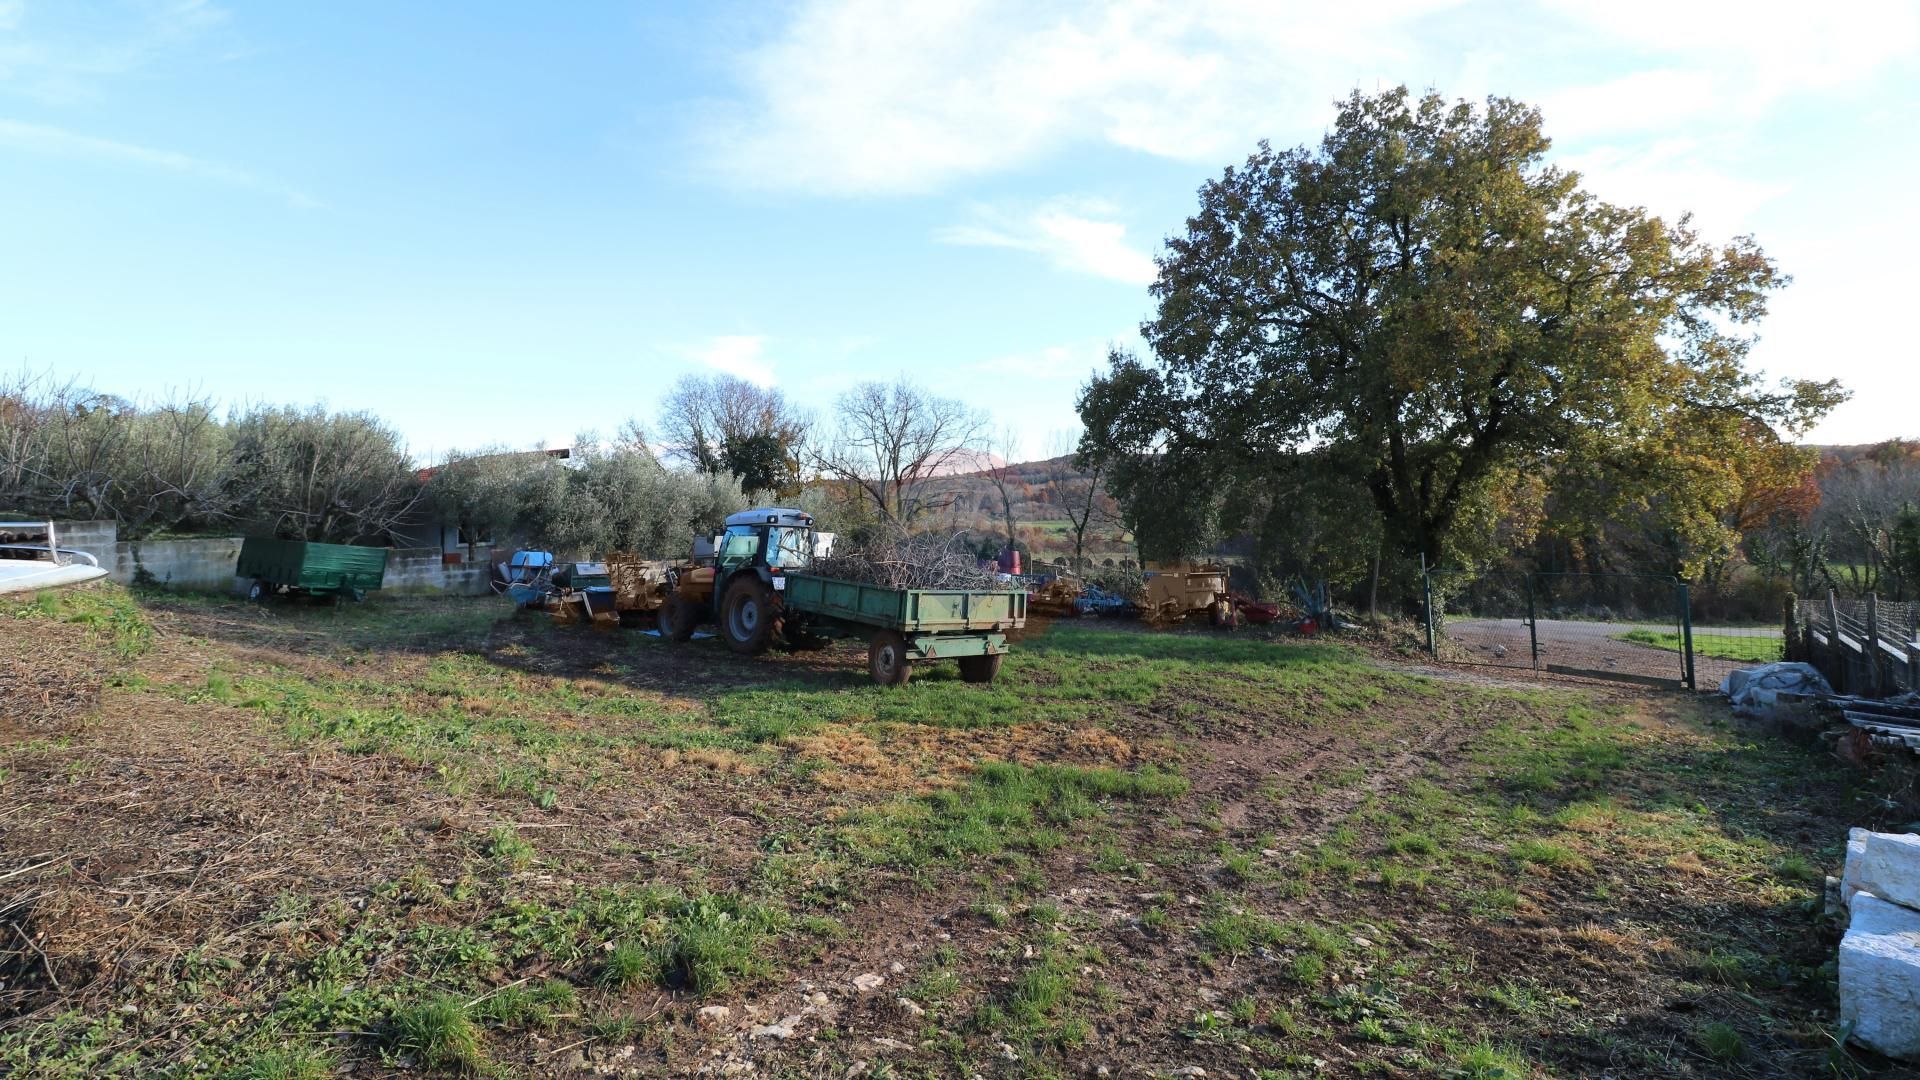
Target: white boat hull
[(24, 576)]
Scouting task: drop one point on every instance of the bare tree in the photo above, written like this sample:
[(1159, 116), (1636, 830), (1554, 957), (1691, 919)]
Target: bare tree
[(726, 425), (1001, 449), (893, 442), (1082, 497)]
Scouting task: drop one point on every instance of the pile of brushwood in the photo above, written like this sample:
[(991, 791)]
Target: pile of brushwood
[(903, 560)]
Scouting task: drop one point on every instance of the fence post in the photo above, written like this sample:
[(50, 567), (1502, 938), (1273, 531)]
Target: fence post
[(1791, 646), (1426, 583), (1686, 636), (1533, 625), (1873, 644)]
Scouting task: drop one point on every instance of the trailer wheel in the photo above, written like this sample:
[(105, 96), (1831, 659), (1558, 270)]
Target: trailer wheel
[(259, 592), (677, 619), (980, 669), (747, 617), (887, 659)]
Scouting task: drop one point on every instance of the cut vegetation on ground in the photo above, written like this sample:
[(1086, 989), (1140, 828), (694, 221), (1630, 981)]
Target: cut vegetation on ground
[(417, 836)]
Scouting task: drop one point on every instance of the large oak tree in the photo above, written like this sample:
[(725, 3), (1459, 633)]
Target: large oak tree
[(1425, 304)]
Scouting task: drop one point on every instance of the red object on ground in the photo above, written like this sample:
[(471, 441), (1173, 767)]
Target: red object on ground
[(1307, 626), (1254, 611)]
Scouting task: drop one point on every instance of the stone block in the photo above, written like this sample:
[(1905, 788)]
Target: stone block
[(1886, 865), (1880, 977)]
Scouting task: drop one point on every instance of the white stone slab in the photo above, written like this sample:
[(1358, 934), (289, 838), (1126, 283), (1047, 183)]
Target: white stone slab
[(1880, 977), (1856, 847), (1888, 866)]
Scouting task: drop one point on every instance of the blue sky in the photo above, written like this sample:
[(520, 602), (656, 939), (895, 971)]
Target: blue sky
[(505, 223)]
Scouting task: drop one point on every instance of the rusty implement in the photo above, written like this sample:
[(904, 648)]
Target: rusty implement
[(639, 585), (1174, 596), (1055, 598)]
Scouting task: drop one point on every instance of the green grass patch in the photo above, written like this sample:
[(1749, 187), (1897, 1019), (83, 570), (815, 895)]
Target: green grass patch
[(109, 612), (1004, 807), (1746, 649), (438, 1032)]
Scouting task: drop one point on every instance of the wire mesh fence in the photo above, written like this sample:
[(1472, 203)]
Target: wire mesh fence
[(1632, 628)]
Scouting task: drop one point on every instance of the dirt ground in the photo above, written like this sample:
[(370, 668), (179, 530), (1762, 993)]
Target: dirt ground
[(1591, 647), (255, 841)]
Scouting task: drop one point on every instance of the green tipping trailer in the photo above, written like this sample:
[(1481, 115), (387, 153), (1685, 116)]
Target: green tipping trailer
[(907, 626), (305, 568)]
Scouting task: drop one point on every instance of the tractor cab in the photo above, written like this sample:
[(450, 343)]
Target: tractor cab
[(769, 538)]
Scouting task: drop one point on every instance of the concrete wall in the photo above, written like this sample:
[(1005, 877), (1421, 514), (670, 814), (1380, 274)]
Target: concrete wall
[(202, 563), (424, 569), (207, 562)]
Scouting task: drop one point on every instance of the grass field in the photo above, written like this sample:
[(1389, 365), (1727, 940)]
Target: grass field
[(1755, 649), (421, 837)]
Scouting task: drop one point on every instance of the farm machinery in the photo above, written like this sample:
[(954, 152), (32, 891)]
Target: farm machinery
[(751, 583)]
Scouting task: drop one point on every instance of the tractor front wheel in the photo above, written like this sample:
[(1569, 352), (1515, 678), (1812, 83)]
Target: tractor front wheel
[(979, 669), (747, 617), (887, 659), (677, 619)]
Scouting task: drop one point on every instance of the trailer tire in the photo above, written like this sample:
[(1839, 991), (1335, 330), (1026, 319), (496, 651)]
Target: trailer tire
[(747, 617), (887, 659), (259, 592), (980, 669), (677, 619)]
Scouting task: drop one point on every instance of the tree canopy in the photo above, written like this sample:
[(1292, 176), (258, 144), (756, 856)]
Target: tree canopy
[(725, 425), (1424, 304)]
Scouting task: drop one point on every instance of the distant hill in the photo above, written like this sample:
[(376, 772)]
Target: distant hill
[(1038, 488)]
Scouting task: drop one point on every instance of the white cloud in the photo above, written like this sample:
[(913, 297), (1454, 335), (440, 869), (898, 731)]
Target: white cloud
[(1674, 176), (62, 53), (1771, 47), (871, 96), (877, 97), (1074, 361), (1073, 234), (42, 139), (741, 355)]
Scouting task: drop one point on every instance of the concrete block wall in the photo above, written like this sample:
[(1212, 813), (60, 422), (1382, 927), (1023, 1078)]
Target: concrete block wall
[(425, 569), (207, 563), (201, 563), (96, 538)]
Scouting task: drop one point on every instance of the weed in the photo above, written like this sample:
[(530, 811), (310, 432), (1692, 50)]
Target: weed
[(1307, 968), (1412, 843), (1797, 868), (628, 964), (1485, 1061), (437, 1031), (284, 1063), (505, 844), (1722, 1042), (1545, 853), (1237, 933)]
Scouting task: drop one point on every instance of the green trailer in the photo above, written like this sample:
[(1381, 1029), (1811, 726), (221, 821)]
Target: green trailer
[(905, 627), (276, 567)]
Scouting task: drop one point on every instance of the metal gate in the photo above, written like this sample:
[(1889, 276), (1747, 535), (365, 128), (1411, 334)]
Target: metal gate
[(1622, 627)]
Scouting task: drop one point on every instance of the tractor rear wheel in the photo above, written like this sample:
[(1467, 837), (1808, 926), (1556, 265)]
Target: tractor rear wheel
[(979, 669), (677, 619), (747, 617), (887, 659)]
